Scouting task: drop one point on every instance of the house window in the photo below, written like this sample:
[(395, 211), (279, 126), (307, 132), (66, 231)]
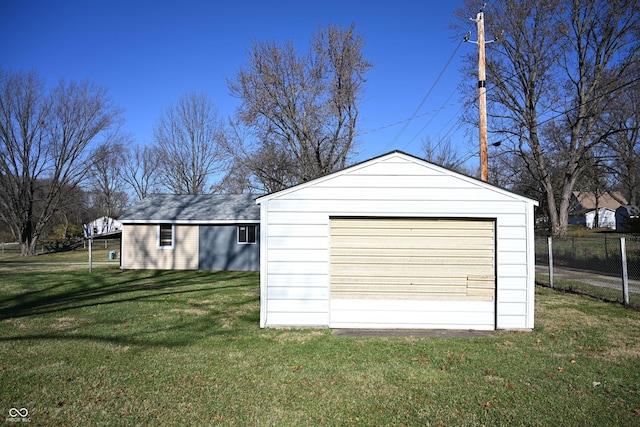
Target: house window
[(246, 234), (165, 236)]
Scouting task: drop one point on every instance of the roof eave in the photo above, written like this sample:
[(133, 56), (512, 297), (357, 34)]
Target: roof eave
[(192, 221), (409, 157)]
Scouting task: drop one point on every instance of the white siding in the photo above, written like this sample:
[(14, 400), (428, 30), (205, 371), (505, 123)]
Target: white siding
[(295, 258), (403, 314), (606, 219)]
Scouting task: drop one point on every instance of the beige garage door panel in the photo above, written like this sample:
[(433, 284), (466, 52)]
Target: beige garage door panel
[(412, 259)]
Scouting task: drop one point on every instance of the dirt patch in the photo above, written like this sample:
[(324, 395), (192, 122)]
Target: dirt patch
[(192, 311), (64, 323), (293, 335)]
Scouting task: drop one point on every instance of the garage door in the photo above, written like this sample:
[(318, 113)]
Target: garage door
[(409, 262)]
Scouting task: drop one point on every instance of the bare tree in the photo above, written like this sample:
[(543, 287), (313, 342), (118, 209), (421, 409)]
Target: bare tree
[(188, 135), (140, 169), (43, 142), (443, 154), (549, 86), (303, 109), (66, 222), (622, 157), (507, 169), (257, 167), (106, 188), (503, 168)]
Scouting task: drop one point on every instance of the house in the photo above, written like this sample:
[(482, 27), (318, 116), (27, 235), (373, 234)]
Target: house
[(605, 218), (102, 227), (188, 232), (624, 217), (588, 204), (397, 242)]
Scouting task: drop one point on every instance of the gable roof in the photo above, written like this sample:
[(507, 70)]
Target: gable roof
[(405, 156), (192, 209), (587, 201)]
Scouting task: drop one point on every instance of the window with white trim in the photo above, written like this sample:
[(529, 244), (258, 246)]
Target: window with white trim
[(165, 236), (246, 234)]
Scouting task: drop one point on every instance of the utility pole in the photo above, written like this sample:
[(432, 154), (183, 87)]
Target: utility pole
[(482, 95), (482, 99)]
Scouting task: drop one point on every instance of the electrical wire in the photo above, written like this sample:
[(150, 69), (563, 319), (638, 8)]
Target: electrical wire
[(430, 120), (424, 99), (504, 81)]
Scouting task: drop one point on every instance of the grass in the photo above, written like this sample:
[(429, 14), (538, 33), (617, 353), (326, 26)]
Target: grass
[(578, 286), (168, 348), (99, 253), (593, 253)]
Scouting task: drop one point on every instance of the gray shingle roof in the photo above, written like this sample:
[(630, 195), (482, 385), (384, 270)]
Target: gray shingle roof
[(194, 208)]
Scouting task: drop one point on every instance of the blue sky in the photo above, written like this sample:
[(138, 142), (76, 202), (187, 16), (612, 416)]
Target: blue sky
[(148, 53)]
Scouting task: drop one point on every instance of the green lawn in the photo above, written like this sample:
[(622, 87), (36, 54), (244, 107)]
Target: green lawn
[(578, 286), (99, 253), (184, 348)]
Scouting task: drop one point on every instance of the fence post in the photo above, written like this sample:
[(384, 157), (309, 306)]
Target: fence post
[(625, 276), (550, 246)]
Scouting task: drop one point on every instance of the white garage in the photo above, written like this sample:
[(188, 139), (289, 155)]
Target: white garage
[(397, 242)]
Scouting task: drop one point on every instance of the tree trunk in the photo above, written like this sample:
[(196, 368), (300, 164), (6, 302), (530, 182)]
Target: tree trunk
[(28, 242), (558, 226)]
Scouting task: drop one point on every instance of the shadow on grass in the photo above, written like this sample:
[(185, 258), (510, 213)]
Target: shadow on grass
[(174, 292), (95, 289)]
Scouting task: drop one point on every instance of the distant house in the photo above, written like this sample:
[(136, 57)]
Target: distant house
[(101, 228), (594, 211), (606, 218), (625, 214), (189, 232)]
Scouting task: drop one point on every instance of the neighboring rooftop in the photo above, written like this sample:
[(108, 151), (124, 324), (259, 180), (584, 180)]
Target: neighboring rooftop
[(194, 208), (587, 201)]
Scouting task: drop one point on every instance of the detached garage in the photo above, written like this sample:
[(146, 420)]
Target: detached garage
[(397, 242)]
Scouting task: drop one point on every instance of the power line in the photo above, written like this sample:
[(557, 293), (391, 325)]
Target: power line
[(424, 99), (502, 81), (399, 122), (602, 95), (431, 119), (559, 114)]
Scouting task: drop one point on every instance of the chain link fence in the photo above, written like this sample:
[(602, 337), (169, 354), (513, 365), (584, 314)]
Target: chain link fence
[(591, 265)]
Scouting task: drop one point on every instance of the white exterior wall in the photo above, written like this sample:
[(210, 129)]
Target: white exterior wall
[(295, 251), (606, 219), (103, 225)]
